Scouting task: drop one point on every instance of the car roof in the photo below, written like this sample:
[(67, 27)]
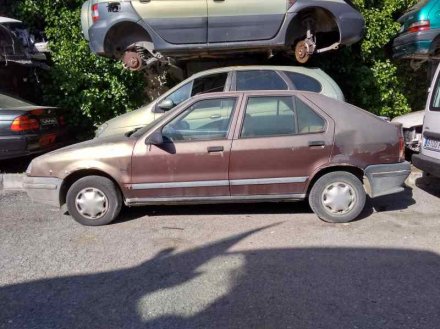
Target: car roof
[(298, 69)]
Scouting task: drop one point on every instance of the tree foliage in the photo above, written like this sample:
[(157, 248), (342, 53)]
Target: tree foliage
[(367, 75), (96, 89), (93, 88)]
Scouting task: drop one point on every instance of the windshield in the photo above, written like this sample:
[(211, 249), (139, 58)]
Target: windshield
[(11, 102)]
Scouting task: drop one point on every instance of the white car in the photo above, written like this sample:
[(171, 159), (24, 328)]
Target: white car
[(412, 125), (429, 158)]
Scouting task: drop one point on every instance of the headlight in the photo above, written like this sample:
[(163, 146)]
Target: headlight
[(100, 130)]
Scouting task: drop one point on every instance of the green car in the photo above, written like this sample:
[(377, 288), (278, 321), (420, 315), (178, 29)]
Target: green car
[(143, 32), (238, 78), (419, 37)]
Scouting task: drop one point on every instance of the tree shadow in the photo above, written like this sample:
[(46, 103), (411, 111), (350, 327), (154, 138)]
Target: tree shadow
[(215, 287)]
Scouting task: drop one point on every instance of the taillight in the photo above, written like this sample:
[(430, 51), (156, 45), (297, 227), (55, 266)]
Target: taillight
[(24, 123), (61, 121), (401, 149), (424, 25), (95, 13)]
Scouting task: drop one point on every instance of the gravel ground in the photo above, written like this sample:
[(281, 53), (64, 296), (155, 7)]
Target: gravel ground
[(228, 266)]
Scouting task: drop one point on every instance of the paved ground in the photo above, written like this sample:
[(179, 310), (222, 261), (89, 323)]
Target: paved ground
[(229, 266)]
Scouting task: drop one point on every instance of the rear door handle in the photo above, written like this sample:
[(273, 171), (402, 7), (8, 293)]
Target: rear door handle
[(316, 143), (214, 149)]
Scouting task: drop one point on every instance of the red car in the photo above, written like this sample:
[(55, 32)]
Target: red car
[(231, 147)]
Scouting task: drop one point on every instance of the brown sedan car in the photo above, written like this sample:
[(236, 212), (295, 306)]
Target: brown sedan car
[(231, 147)]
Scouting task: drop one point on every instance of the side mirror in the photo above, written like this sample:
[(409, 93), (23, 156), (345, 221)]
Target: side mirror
[(155, 138), (166, 105)]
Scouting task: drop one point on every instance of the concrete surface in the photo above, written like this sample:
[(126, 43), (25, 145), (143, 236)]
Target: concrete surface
[(228, 266)]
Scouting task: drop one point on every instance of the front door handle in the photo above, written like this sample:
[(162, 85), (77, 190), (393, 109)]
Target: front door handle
[(316, 143), (215, 149)]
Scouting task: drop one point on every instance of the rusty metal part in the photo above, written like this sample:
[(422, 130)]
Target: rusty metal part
[(132, 60), (302, 53)]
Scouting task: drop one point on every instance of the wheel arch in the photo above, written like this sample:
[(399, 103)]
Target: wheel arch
[(356, 171), (77, 175), (325, 18), (122, 35)]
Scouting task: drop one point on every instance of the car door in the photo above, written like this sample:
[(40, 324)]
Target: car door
[(193, 161), (176, 21), (280, 142), (244, 20), (431, 127)]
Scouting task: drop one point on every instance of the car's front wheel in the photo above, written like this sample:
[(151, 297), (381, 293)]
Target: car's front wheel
[(94, 201), (337, 197)]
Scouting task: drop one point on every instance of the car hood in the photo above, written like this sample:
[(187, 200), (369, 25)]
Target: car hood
[(127, 121), (409, 120), (110, 154)]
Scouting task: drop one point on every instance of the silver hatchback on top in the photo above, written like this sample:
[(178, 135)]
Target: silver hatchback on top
[(239, 78)]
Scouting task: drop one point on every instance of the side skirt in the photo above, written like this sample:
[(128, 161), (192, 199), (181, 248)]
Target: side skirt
[(214, 200)]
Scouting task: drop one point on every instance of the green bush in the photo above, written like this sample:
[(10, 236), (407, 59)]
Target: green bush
[(96, 89), (364, 71)]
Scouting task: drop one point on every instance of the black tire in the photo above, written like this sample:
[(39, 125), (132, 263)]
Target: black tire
[(104, 188), (355, 197)]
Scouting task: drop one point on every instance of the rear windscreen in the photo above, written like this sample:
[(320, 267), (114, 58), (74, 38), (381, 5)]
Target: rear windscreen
[(11, 102)]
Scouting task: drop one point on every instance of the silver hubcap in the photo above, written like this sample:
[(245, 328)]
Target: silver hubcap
[(339, 198), (91, 203)]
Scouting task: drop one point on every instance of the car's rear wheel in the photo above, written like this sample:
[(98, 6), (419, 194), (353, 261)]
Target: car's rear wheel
[(337, 197), (94, 201)]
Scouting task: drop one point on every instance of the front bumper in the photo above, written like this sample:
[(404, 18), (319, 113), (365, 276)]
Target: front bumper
[(44, 190), (427, 164), (414, 45), (386, 179)]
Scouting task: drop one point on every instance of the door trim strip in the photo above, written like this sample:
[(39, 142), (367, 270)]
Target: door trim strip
[(220, 183), (154, 186), (267, 181), (214, 200)]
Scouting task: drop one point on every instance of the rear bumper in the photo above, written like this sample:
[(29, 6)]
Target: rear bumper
[(427, 164), (16, 146), (44, 190), (386, 179), (413, 45)]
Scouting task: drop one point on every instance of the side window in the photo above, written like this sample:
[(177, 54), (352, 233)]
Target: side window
[(308, 120), (209, 84), (259, 80), (269, 116), (303, 82), (181, 94), (208, 119), (435, 103)]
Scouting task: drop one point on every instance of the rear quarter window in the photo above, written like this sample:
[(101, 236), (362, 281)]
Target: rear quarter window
[(435, 101), (304, 82)]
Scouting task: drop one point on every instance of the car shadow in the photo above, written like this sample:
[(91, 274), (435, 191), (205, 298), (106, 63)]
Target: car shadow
[(393, 202), (15, 166), (214, 287), (429, 184)]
